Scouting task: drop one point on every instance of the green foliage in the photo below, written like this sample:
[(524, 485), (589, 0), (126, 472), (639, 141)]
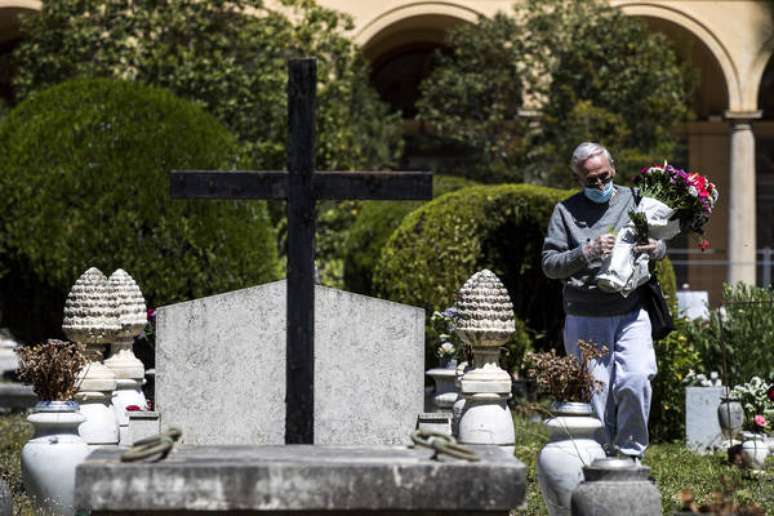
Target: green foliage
[(473, 95), (594, 74), (85, 182), (375, 223), (230, 56), (675, 356), (739, 343), (665, 273), (440, 245), (15, 431)]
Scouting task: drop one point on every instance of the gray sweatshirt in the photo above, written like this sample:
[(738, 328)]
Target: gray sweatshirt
[(575, 222)]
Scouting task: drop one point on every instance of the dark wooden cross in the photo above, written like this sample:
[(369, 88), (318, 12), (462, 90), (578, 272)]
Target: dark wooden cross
[(301, 186)]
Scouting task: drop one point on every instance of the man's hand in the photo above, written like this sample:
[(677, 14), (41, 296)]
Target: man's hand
[(654, 248), (599, 247)]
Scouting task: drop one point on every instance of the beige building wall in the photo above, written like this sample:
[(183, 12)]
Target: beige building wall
[(730, 41)]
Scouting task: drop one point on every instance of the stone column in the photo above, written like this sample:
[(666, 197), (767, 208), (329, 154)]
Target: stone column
[(742, 199)]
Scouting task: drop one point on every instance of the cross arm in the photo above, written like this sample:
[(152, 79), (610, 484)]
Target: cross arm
[(397, 186), (237, 184)]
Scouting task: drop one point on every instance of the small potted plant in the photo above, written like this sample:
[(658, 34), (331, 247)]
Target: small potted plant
[(443, 325), (572, 427), (754, 396), (49, 459)]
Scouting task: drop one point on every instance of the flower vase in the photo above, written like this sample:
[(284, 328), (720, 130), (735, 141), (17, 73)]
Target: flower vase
[(730, 417), (755, 449), (571, 447), (49, 459)]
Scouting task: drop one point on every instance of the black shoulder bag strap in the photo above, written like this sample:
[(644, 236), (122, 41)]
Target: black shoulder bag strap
[(661, 323)]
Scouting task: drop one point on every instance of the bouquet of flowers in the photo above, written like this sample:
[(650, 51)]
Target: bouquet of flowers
[(757, 398), (673, 200)]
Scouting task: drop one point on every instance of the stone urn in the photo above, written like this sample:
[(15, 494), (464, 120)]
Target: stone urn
[(755, 449), (571, 447), (49, 459), (485, 322), (730, 417), (613, 487), (91, 318)]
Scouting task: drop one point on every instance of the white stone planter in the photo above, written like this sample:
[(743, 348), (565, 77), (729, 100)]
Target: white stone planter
[(49, 459), (572, 446), (128, 392), (100, 426), (755, 449)]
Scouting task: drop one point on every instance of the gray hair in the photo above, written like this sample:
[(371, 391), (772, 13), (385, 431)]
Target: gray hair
[(585, 151)]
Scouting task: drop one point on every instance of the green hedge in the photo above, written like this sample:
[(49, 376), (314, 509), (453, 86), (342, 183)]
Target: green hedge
[(374, 224), (437, 247), (85, 183)]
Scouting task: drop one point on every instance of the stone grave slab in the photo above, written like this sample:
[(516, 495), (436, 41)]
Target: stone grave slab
[(220, 368), (301, 480), (702, 428)]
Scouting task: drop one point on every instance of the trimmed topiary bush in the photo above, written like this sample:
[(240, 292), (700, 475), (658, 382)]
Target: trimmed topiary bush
[(438, 246), (85, 183), (374, 225)]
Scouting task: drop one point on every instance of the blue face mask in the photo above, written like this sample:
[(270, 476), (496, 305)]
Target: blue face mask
[(599, 196)]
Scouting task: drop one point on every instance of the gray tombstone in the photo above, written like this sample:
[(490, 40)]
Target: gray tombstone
[(702, 429), (220, 368)]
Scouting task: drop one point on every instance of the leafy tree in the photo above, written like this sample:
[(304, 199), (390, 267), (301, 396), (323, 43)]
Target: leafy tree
[(593, 74), (229, 55)]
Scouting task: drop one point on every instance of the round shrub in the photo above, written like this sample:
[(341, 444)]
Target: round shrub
[(374, 225), (85, 183), (501, 228)]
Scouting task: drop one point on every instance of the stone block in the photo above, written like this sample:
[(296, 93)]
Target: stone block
[(142, 424), (302, 479), (220, 368), (702, 429), (17, 396)]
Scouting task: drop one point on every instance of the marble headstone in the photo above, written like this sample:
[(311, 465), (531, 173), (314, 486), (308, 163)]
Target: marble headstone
[(702, 428), (220, 368)]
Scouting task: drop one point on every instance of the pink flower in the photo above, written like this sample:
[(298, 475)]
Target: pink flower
[(133, 408), (151, 313), (703, 245), (760, 421)]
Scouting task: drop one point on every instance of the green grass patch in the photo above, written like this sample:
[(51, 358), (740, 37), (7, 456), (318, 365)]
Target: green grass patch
[(15, 431), (672, 465)]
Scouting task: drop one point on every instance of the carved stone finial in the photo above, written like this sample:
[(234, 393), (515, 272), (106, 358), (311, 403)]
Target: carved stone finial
[(132, 315), (485, 311), (90, 314)]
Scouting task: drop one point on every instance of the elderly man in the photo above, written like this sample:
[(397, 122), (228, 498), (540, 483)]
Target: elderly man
[(582, 232)]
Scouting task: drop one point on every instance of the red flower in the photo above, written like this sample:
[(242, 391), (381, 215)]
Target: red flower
[(770, 394), (703, 245), (151, 313), (133, 408)]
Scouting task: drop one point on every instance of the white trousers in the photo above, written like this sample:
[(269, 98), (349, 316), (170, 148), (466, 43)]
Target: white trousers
[(623, 404)]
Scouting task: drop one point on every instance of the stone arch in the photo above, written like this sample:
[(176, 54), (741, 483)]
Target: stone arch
[(761, 85), (420, 15), (400, 44), (10, 36), (736, 100)]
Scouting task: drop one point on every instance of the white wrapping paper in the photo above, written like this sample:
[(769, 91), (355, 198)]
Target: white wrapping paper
[(622, 270)]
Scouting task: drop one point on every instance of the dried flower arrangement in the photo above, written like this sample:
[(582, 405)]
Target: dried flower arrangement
[(52, 368), (566, 378)]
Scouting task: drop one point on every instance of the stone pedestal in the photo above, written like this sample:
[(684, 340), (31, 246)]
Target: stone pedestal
[(91, 318), (445, 391), (129, 371), (485, 323), (741, 199), (301, 480)]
